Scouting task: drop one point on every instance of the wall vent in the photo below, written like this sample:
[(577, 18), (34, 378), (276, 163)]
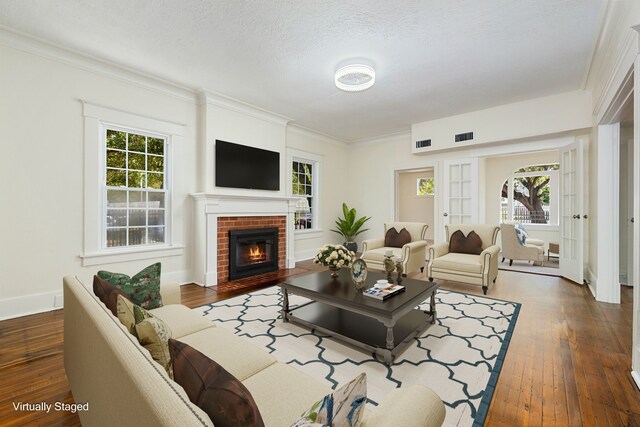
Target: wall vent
[(423, 143), (461, 137)]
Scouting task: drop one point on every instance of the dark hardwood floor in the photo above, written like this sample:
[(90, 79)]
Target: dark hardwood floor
[(567, 365)]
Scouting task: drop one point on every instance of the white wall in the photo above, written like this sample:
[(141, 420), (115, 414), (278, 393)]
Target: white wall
[(332, 187), (41, 185), (498, 170), (414, 208), (531, 118), (231, 121)]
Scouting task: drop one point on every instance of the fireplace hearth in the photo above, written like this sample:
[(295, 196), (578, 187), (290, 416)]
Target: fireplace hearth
[(252, 252)]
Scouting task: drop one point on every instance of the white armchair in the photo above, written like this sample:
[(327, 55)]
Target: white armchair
[(412, 254), (466, 268), (532, 250)]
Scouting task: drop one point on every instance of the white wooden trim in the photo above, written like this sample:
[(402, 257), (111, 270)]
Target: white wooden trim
[(218, 99), (131, 253), (636, 378), (30, 304), (608, 289), (635, 352), (64, 55)]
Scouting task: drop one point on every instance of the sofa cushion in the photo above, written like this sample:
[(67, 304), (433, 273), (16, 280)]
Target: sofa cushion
[(342, 407), (222, 396), (378, 254), (469, 244), (393, 239), (154, 334), (108, 294), (130, 314), (294, 389), (458, 263), (181, 320), (235, 354), (143, 288)]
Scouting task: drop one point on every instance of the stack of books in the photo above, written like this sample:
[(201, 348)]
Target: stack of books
[(384, 293)]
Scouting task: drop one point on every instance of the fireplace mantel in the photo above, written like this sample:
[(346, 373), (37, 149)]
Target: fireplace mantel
[(208, 207)]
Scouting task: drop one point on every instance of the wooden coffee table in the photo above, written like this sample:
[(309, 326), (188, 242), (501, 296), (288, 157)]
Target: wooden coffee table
[(336, 308)]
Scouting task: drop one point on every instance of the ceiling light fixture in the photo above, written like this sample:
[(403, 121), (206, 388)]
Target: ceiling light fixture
[(355, 78)]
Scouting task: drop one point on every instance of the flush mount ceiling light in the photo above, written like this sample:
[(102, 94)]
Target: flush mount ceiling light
[(355, 78)]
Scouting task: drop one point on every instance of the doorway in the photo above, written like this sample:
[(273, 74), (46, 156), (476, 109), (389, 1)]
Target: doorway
[(416, 190)]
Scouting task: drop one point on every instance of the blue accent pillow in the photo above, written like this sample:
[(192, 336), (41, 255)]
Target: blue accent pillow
[(521, 233), (343, 407)]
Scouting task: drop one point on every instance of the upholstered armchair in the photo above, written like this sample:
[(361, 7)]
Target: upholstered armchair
[(412, 254), (531, 250), (476, 269)]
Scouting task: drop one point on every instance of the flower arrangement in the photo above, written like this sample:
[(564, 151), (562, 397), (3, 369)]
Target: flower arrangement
[(334, 256)]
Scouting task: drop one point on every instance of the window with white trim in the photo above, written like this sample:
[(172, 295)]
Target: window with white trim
[(303, 185), (128, 186), (135, 188), (530, 195)]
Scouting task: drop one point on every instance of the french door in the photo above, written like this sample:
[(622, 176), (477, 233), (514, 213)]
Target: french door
[(460, 191), (572, 217)]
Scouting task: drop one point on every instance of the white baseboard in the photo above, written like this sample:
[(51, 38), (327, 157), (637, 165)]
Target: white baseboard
[(592, 282), (30, 304), (636, 377), (305, 255)]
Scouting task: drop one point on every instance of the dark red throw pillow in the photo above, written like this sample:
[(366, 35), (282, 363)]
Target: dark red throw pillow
[(393, 239), (472, 244), (208, 385), (108, 294)]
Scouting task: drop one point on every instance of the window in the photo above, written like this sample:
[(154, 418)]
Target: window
[(128, 180), (425, 187), (135, 188), (303, 185), (534, 198)]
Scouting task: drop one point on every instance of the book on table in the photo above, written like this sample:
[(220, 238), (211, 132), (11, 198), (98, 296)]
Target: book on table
[(384, 293)]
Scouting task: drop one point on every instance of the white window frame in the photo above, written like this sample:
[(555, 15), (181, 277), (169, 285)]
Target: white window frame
[(96, 119), (166, 190), (316, 161), (554, 200)]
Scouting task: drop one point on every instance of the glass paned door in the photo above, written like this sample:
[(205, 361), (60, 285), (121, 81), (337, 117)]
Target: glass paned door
[(571, 213), (461, 191)]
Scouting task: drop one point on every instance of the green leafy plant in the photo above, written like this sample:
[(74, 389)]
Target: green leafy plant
[(349, 227)]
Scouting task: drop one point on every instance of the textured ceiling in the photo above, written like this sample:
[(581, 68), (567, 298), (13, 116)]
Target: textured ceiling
[(433, 58)]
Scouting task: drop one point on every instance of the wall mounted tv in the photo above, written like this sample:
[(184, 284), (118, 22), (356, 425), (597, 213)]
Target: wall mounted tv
[(240, 166)]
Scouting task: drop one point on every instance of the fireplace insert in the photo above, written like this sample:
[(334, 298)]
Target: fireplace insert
[(252, 252)]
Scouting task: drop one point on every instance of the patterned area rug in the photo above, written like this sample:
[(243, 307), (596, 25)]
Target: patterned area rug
[(459, 357)]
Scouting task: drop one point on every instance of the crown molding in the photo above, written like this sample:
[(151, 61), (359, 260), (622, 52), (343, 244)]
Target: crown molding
[(392, 137), (317, 135), (45, 49), (211, 97)]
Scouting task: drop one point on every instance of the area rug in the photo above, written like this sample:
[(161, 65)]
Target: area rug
[(459, 357)]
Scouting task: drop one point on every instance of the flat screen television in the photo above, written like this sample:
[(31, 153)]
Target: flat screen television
[(240, 166)]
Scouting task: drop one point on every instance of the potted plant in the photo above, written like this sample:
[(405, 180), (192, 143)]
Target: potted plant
[(349, 227)]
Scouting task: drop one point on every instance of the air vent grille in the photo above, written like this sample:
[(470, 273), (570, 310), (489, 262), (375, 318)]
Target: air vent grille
[(423, 143), (461, 137)]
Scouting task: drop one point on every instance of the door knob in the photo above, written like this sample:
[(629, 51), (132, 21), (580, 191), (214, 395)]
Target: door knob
[(584, 217), (446, 214), (632, 220), (576, 217)]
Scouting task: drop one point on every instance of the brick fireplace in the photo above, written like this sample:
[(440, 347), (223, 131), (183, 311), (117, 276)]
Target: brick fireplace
[(244, 223), (216, 215)]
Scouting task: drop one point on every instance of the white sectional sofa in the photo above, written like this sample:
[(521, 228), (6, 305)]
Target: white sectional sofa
[(124, 386)]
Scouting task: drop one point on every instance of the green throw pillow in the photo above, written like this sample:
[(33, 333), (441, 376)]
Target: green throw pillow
[(343, 407), (143, 288), (131, 314)]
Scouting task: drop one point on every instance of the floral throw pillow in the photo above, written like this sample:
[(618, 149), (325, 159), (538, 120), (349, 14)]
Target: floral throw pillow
[(521, 234), (131, 314), (143, 288), (154, 334), (342, 407)]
